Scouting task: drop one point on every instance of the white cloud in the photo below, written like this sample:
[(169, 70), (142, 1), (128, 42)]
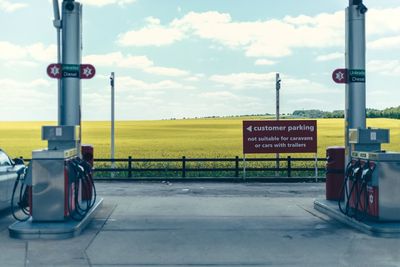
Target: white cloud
[(295, 86), (34, 95), (153, 21), (119, 60), (101, 3), (268, 39), (9, 6), (307, 102), (289, 85), (385, 67), (129, 84), (151, 35), (21, 63), (245, 80), (14, 84), (383, 21), (36, 52), (220, 95), (228, 103), (392, 42), (192, 79), (264, 62), (9, 51), (39, 52), (136, 62), (328, 57), (173, 72)]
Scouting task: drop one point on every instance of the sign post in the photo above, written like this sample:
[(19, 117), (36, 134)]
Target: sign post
[(278, 87), (112, 83)]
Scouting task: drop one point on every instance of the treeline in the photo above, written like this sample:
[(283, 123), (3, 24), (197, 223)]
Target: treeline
[(393, 113), (315, 113)]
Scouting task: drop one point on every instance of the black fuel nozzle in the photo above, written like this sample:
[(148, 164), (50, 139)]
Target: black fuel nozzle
[(349, 168), (357, 171), (367, 172)]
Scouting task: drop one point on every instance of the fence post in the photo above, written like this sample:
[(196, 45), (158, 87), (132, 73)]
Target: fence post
[(316, 167), (130, 166), (183, 167), (237, 166), (289, 166)]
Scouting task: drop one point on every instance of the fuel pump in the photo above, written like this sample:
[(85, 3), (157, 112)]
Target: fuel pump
[(58, 186), (372, 175)]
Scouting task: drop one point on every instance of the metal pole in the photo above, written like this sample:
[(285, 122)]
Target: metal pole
[(244, 166), (355, 109), (70, 91), (316, 166), (112, 82), (277, 87), (57, 25)]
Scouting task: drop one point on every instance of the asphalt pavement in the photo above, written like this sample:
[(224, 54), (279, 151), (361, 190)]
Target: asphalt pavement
[(205, 224)]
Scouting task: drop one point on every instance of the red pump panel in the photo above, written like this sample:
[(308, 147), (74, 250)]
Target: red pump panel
[(335, 158), (373, 201)]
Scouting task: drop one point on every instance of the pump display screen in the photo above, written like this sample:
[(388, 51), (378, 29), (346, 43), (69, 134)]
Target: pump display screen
[(289, 136)]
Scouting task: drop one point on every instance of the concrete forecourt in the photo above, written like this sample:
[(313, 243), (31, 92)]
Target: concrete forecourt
[(206, 224)]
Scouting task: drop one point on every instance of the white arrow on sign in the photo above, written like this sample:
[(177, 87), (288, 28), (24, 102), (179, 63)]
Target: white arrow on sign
[(250, 128)]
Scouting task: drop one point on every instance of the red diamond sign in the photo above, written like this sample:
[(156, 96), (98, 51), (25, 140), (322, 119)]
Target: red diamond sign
[(340, 76), (54, 71)]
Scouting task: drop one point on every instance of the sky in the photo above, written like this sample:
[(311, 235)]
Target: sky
[(191, 58)]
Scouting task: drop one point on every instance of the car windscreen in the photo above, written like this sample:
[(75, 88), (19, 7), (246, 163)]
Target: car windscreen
[(4, 160)]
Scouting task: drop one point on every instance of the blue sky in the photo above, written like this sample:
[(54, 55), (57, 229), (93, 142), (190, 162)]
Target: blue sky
[(190, 58)]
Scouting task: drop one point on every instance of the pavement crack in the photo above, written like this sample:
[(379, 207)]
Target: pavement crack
[(26, 254), (313, 213), (96, 234)]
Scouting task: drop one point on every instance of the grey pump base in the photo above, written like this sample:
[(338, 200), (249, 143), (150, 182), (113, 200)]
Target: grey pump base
[(380, 229), (52, 230)]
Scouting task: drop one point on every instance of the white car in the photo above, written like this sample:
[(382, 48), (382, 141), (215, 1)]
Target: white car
[(9, 170)]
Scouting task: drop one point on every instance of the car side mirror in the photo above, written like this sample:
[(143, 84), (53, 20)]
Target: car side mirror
[(18, 161)]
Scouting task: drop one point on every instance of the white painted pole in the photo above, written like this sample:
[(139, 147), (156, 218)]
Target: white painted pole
[(112, 82)]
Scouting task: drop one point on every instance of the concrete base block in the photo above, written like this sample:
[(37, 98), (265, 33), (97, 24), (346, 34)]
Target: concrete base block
[(381, 229), (52, 230)]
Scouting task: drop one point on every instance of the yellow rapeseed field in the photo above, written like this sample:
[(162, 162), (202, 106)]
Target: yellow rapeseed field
[(173, 138)]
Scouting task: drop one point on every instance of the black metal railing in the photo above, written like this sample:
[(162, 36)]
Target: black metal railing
[(236, 168), (193, 167)]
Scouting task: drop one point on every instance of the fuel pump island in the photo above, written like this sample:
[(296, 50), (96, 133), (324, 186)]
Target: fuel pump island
[(368, 197), (57, 195)]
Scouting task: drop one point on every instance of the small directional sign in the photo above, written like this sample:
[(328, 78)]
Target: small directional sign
[(357, 76), (70, 71), (87, 71), (54, 71), (59, 71), (348, 76), (340, 76)]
